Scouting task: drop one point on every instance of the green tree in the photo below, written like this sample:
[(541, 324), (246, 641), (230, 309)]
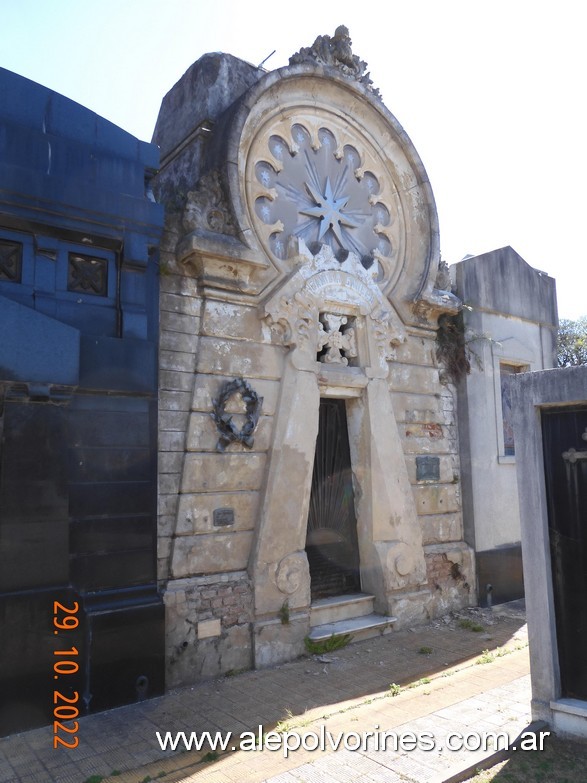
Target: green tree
[(572, 342)]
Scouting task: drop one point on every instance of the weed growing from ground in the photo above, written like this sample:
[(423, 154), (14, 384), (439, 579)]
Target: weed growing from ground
[(327, 645), (471, 625)]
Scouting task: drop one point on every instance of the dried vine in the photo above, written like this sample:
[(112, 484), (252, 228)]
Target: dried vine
[(451, 348)]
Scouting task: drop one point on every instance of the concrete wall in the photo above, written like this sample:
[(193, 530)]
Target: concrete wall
[(510, 318)]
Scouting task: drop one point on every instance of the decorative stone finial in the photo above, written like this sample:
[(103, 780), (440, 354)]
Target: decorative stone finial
[(336, 51), (443, 281)]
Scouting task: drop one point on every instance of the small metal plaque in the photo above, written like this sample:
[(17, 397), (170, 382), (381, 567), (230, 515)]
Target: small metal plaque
[(427, 469), (223, 517)]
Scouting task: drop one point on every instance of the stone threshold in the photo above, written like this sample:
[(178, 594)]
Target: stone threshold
[(362, 627)]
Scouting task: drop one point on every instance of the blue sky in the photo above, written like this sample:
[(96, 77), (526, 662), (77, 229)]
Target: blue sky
[(491, 94)]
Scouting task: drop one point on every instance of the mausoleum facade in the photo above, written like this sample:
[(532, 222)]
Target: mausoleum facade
[(239, 432), (308, 458)]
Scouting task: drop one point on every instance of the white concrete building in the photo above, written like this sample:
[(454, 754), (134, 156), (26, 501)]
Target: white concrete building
[(510, 326)]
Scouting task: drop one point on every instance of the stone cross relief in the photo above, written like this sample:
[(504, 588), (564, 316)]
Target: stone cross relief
[(340, 345)]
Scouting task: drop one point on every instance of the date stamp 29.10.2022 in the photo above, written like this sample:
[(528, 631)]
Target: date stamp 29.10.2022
[(65, 707)]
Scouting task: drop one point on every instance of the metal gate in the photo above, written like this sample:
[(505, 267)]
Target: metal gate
[(331, 542), (565, 459)]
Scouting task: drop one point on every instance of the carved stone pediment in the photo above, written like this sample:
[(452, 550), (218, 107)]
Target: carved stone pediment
[(334, 313)]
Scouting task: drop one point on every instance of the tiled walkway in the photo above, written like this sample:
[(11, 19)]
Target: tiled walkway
[(346, 691)]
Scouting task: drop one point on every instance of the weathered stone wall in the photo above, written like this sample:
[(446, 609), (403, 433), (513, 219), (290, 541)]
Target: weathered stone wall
[(212, 480), (203, 566), (425, 408), (208, 626), (179, 307)]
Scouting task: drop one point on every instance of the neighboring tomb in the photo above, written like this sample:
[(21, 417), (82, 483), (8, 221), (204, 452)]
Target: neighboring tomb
[(509, 322), (79, 231), (550, 415), (299, 264)]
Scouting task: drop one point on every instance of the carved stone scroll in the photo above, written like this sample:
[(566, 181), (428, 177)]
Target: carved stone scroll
[(206, 208)]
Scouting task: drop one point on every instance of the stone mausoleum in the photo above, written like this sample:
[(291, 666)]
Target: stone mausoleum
[(308, 467), (237, 428)]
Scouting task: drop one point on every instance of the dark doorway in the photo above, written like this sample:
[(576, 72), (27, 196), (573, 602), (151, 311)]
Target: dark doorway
[(565, 458), (331, 541)]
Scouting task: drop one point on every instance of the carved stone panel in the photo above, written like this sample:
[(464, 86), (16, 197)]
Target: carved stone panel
[(335, 314)]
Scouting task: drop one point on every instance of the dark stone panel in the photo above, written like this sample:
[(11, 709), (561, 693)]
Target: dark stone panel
[(110, 498), (45, 270), (29, 643), (21, 294), (34, 438), (109, 463), (127, 655), (99, 536), (40, 109), (110, 402), (129, 365), (112, 429), (95, 213), (88, 318), (33, 553), (95, 175), (34, 514), (35, 347), (113, 570), (23, 100), (22, 149), (502, 569)]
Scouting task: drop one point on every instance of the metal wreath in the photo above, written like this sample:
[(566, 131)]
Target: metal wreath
[(229, 432)]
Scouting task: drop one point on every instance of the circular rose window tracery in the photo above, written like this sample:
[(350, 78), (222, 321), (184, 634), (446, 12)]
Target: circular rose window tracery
[(311, 183)]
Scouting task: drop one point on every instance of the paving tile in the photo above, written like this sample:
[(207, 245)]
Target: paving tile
[(67, 774), (473, 697)]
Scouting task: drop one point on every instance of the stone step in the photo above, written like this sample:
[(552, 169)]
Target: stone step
[(340, 607), (359, 627)]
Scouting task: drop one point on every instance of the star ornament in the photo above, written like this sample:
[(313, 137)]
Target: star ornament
[(329, 210)]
